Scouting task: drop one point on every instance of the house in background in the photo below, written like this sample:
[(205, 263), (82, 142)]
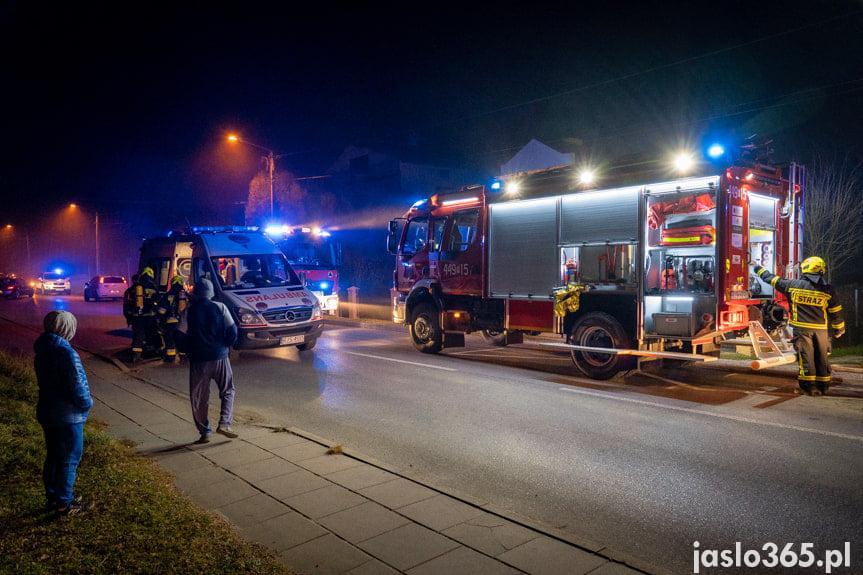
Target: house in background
[(535, 156)]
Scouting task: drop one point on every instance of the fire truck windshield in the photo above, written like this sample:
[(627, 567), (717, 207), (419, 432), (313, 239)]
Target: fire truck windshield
[(254, 271), (307, 254)]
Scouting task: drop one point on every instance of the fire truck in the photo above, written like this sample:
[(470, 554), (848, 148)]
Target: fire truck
[(629, 272), (316, 260)]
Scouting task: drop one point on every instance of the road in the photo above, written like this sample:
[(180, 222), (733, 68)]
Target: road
[(641, 465)]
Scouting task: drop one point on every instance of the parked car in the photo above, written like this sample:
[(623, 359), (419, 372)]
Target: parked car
[(54, 282), (105, 287), (14, 288)]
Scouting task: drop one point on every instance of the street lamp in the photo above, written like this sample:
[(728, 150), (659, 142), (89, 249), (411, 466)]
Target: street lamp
[(97, 236), (271, 161)]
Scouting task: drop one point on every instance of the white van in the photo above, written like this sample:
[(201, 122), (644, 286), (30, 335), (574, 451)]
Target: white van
[(250, 275)]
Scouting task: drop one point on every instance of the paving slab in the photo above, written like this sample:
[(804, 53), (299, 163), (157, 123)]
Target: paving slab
[(286, 486), (546, 556), (363, 522), (440, 512), (257, 471), (463, 561), (398, 492), (283, 531), (357, 478), (326, 555), (408, 546), (255, 509), (324, 501), (491, 534)]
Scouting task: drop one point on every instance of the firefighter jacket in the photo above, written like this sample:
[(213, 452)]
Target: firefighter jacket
[(172, 304), (148, 296), (813, 302)]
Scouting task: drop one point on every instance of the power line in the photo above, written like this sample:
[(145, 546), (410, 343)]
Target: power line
[(655, 68)]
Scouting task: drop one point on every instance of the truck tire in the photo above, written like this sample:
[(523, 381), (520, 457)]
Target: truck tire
[(308, 345), (597, 329), (494, 337), (86, 295), (425, 329)]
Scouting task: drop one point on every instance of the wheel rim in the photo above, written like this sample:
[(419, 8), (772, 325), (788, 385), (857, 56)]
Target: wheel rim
[(423, 329), (596, 336)]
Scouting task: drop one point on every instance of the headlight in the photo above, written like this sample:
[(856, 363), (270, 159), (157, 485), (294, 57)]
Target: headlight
[(249, 318), (316, 311)]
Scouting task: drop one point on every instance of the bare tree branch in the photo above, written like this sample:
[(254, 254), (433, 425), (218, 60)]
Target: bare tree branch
[(833, 224)]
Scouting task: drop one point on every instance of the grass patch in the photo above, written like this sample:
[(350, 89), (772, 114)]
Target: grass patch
[(139, 524)]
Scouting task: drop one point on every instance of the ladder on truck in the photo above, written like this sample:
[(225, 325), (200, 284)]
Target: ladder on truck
[(794, 211)]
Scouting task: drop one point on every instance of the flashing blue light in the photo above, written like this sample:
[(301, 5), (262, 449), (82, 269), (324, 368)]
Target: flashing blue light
[(324, 285), (496, 185), (418, 203), (716, 150)]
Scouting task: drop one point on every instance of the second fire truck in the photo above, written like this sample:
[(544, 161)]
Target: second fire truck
[(650, 269)]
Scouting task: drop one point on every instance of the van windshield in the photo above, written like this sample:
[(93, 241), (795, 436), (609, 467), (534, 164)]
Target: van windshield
[(254, 271)]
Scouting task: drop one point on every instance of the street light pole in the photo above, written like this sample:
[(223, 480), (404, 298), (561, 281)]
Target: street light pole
[(96, 223), (271, 164)]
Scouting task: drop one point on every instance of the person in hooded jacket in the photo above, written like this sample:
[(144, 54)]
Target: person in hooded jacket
[(205, 333), (813, 305), (63, 405)]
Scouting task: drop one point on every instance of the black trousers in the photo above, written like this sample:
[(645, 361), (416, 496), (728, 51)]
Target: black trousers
[(813, 358)]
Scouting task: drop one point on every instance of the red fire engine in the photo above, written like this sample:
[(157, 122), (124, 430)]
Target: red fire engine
[(316, 260), (630, 271)]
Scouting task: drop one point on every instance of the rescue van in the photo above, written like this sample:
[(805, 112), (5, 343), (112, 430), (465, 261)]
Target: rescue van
[(250, 275)]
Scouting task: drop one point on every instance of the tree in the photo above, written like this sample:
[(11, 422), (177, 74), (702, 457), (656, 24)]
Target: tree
[(833, 212), (289, 199)]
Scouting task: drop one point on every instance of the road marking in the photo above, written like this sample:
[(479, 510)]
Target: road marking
[(711, 414), (400, 361)]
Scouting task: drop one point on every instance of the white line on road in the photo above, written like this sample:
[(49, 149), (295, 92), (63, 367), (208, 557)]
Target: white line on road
[(400, 361), (711, 414)]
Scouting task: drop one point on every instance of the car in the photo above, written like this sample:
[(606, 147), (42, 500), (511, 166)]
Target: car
[(54, 282), (105, 287), (14, 288)]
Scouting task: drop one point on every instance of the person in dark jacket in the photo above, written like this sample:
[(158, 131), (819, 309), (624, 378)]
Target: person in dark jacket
[(813, 304), (63, 405), (206, 333)]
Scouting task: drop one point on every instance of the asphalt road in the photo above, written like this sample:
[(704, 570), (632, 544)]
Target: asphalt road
[(638, 464)]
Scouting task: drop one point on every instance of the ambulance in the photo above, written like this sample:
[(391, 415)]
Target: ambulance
[(250, 275)]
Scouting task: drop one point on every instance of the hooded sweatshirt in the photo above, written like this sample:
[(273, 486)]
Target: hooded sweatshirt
[(64, 394)]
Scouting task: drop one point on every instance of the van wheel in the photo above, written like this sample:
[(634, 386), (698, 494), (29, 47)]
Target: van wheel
[(308, 345), (494, 337), (597, 329), (425, 329)]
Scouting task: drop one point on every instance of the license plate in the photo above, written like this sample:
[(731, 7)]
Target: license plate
[(291, 340)]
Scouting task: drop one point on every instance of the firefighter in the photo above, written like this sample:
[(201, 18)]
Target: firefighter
[(129, 310), (813, 304), (144, 329), (171, 305)]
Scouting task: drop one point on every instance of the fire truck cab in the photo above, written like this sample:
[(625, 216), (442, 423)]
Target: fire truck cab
[(637, 270)]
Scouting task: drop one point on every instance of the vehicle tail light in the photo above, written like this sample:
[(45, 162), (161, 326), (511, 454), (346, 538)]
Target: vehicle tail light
[(101, 280)]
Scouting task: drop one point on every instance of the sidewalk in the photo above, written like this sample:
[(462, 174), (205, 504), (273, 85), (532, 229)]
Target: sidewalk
[(339, 513)]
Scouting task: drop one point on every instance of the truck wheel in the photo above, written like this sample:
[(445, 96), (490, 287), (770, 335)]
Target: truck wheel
[(425, 329), (494, 337), (308, 345), (597, 329), (86, 295)]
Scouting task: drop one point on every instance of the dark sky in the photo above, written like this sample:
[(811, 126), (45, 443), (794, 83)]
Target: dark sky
[(125, 106)]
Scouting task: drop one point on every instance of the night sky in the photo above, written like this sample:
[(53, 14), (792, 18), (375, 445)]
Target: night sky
[(125, 107)]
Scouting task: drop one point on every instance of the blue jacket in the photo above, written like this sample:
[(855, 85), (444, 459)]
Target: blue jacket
[(64, 395)]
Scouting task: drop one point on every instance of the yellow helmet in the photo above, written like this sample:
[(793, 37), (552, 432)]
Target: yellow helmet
[(813, 265), (147, 272), (177, 280)]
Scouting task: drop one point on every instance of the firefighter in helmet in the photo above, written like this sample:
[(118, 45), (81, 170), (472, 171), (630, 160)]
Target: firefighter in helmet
[(814, 305), (144, 329), (171, 305), (129, 307)]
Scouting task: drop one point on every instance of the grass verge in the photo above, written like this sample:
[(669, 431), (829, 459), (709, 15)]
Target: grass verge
[(139, 523)]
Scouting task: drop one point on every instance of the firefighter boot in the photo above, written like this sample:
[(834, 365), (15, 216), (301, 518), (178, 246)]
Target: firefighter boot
[(805, 388), (136, 356)]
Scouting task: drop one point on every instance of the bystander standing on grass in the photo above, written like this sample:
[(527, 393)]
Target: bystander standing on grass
[(138, 524)]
